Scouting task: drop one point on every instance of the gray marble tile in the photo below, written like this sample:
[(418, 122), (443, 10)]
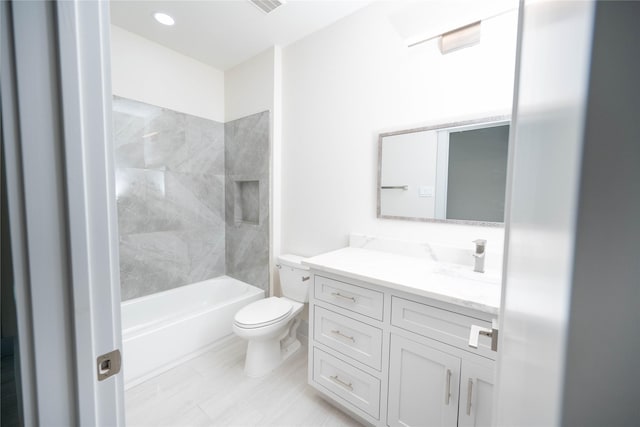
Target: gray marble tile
[(205, 147), (206, 252), (152, 262), (247, 145), (247, 224), (151, 200), (248, 255), (127, 137), (129, 120), (176, 192), (165, 145), (132, 187), (129, 156), (191, 201)]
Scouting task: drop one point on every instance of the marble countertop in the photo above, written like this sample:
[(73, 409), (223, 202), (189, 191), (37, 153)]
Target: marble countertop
[(454, 284)]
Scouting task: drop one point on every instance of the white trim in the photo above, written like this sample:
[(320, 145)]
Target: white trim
[(86, 101), (62, 208)]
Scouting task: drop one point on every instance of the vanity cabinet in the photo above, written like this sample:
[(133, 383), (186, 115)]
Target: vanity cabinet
[(423, 385), (396, 359), (428, 387)]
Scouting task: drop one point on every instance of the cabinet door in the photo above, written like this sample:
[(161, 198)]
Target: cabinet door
[(423, 385), (476, 397)]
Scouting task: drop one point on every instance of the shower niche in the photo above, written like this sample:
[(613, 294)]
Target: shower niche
[(246, 206)]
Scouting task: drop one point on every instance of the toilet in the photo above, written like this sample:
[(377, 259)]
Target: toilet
[(270, 324)]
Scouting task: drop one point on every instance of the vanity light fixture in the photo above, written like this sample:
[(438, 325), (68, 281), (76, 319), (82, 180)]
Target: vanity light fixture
[(462, 37), (163, 18), (267, 6)]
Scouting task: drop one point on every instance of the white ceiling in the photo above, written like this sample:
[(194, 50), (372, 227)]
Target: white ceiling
[(224, 33)]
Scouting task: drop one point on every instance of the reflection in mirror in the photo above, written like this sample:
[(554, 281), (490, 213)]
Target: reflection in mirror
[(452, 173)]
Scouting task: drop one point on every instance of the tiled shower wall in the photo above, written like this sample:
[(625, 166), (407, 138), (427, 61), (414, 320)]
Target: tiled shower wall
[(247, 198), (170, 188), (170, 194)]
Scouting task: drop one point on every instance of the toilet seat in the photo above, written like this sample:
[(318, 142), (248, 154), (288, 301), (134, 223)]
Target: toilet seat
[(263, 313)]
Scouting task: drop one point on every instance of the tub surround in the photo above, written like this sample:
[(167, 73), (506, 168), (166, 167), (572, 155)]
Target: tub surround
[(415, 271), (247, 155), (192, 197), (170, 196)]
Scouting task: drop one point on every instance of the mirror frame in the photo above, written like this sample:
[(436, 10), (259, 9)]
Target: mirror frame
[(443, 126)]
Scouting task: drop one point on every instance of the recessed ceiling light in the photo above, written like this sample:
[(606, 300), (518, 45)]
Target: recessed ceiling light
[(163, 18)]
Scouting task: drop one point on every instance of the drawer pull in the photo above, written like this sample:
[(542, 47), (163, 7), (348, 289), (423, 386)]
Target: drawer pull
[(469, 395), (342, 383), (338, 294), (447, 392), (343, 335)]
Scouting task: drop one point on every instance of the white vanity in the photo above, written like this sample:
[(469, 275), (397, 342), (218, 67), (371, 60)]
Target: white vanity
[(389, 338)]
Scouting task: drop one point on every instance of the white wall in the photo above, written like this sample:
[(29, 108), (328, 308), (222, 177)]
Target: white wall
[(348, 82), (249, 86), (151, 73)]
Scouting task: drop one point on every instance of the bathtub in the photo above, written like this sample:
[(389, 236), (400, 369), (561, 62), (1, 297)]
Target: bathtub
[(162, 330)]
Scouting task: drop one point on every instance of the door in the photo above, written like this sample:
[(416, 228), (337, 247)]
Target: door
[(423, 385), (56, 117), (476, 395), (540, 218), (570, 279)]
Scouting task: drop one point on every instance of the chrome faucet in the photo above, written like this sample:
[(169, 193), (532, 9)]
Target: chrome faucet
[(479, 254)]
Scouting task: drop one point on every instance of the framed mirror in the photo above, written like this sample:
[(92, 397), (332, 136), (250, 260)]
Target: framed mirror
[(454, 172)]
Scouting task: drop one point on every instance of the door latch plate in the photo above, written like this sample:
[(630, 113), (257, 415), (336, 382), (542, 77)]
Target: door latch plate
[(109, 364)]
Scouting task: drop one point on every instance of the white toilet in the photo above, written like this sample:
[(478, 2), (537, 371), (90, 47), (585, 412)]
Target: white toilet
[(270, 324)]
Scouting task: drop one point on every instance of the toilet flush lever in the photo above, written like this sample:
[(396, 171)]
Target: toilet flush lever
[(476, 331), (305, 278)]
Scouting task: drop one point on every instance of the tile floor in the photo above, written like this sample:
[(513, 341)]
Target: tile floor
[(211, 390)]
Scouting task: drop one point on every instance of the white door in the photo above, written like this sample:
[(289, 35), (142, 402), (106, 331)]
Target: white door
[(423, 385), (545, 151), (476, 394), (56, 108)]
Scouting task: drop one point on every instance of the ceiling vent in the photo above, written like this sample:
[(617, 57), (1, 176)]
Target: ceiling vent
[(267, 6)]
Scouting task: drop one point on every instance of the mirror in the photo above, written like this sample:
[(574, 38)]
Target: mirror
[(455, 172)]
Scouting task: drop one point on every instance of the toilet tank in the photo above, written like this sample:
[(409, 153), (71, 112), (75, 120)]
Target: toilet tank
[(294, 277)]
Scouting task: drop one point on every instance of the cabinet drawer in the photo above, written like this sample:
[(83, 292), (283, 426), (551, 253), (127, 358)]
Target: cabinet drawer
[(439, 324), (358, 299), (358, 340), (353, 385)]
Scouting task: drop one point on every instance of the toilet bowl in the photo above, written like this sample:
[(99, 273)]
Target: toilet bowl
[(270, 325)]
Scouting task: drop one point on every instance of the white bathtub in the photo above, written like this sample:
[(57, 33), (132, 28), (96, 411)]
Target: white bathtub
[(162, 330)]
